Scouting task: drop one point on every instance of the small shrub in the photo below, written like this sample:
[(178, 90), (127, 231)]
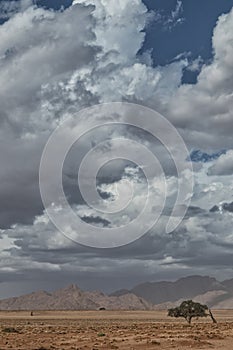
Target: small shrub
[(101, 334), (10, 330)]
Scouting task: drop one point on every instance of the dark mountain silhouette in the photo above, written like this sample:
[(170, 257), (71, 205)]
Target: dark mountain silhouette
[(188, 287)]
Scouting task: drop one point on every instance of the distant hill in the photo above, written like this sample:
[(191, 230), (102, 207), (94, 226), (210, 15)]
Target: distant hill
[(228, 284), (209, 298), (145, 296), (188, 287)]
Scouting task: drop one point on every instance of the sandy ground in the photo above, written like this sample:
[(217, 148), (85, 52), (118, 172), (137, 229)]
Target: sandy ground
[(112, 330)]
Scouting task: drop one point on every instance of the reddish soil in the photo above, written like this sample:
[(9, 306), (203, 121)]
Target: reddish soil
[(112, 330)]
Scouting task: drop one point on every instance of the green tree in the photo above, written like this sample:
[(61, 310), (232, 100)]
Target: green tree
[(189, 309)]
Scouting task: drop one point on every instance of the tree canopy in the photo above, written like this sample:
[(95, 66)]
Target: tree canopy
[(189, 309)]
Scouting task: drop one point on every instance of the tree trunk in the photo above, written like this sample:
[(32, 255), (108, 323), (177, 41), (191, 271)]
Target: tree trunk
[(212, 317)]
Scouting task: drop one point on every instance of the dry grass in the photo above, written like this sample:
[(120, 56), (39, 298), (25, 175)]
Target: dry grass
[(112, 330)]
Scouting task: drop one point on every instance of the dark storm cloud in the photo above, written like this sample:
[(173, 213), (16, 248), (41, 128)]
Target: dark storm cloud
[(28, 55), (19, 189)]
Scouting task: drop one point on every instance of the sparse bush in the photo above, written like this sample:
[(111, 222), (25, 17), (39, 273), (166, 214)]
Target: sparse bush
[(101, 334), (10, 330)]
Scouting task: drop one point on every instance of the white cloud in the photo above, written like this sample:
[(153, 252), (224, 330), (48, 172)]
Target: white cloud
[(195, 65), (176, 15), (39, 47), (206, 107), (10, 8), (169, 22), (223, 166)]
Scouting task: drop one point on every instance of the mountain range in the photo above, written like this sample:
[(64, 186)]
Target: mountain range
[(145, 296), (73, 298)]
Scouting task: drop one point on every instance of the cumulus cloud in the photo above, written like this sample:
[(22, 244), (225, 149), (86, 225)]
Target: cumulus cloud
[(38, 47), (205, 108), (64, 61), (10, 8)]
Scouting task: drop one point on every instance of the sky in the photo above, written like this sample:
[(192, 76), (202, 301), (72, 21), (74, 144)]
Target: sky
[(59, 57)]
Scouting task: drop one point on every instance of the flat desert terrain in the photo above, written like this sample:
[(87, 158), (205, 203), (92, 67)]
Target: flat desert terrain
[(125, 330)]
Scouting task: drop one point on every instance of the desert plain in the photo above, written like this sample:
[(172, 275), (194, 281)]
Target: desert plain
[(126, 330)]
